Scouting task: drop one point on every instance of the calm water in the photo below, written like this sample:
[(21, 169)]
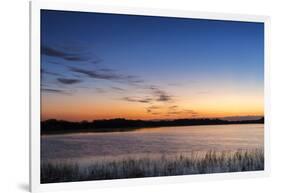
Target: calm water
[(85, 147)]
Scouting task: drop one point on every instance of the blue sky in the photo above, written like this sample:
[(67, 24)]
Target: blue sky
[(107, 52)]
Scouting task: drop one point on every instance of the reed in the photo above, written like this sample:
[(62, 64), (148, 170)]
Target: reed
[(210, 162)]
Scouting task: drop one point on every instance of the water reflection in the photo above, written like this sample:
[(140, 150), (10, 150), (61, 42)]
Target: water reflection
[(85, 147)]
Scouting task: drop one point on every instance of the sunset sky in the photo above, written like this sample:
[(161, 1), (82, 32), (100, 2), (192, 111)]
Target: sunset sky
[(102, 66)]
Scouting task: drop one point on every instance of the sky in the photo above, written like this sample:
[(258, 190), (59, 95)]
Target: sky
[(104, 66)]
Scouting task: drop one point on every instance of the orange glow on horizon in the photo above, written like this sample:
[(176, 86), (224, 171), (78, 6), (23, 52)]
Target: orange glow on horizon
[(221, 103), (132, 111)]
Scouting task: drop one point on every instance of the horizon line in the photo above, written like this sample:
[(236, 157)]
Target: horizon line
[(192, 118)]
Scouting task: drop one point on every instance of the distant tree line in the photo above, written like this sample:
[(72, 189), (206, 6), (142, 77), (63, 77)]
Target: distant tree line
[(53, 126)]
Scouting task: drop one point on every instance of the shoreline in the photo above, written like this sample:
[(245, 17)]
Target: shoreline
[(113, 130)]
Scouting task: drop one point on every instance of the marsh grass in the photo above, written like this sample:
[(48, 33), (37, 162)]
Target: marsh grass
[(210, 162)]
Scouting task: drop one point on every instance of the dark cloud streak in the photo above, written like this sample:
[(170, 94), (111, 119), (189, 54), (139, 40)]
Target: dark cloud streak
[(51, 90), (68, 80), (106, 74), (160, 94), (118, 88), (54, 52), (139, 100)]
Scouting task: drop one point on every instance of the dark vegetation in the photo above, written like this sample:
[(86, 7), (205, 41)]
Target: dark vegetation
[(53, 126), (211, 162)]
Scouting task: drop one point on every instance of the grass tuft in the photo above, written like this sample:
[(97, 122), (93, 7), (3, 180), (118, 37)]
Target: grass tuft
[(210, 162)]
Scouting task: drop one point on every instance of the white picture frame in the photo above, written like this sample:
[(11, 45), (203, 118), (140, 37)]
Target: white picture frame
[(87, 6)]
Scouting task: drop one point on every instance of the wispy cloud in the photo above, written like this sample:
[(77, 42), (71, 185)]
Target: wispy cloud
[(56, 91), (96, 74), (154, 97), (152, 109), (190, 112), (68, 80), (137, 99), (160, 94), (173, 107), (70, 54), (175, 112), (182, 112), (54, 52), (106, 74), (117, 88)]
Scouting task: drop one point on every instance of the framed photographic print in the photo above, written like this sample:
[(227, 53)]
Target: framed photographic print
[(123, 96)]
